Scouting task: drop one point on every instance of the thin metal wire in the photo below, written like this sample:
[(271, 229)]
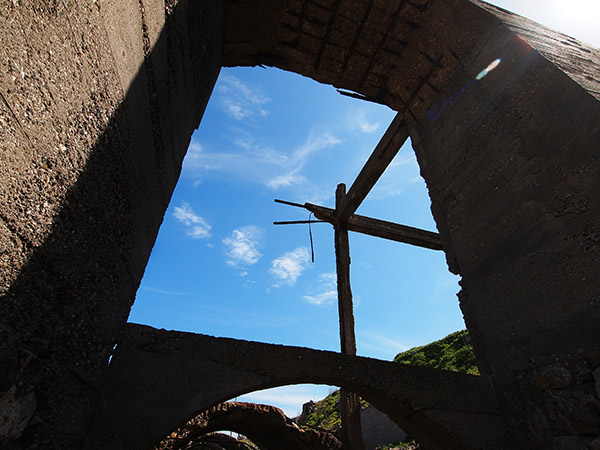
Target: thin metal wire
[(312, 247)]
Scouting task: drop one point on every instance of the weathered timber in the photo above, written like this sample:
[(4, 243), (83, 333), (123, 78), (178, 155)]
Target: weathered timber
[(342, 261), (349, 402), (381, 228), (380, 159), (285, 202), (350, 414), (298, 222)]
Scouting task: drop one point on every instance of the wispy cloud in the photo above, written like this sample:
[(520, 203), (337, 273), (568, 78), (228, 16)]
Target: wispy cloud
[(196, 226), (402, 173), (325, 292), (288, 267), (379, 345), (242, 246), (285, 180), (315, 142), (241, 100), (162, 291), (250, 161), (292, 165), (359, 121)]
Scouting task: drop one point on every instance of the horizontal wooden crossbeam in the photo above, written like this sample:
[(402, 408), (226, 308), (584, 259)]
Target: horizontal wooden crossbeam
[(372, 227), (381, 228)]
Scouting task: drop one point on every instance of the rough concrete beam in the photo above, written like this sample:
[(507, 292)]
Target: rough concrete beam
[(160, 379)]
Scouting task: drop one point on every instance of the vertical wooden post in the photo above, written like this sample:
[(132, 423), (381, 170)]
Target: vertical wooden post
[(342, 261), (349, 402)]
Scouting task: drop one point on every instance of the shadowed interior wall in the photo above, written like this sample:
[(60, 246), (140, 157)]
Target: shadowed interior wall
[(521, 149), (98, 103)]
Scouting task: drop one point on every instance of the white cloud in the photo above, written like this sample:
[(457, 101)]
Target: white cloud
[(402, 173), (289, 266), (196, 226), (361, 123), (285, 181), (242, 246), (326, 292), (240, 100), (323, 298), (162, 291), (379, 346), (314, 143), (248, 160), (293, 164)]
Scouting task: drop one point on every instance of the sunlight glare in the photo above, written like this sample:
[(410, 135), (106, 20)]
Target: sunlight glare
[(574, 16)]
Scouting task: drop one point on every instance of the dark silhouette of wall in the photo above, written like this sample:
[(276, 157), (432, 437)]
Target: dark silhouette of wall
[(98, 103)]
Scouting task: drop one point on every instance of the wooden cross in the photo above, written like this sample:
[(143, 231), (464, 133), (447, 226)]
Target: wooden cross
[(343, 220)]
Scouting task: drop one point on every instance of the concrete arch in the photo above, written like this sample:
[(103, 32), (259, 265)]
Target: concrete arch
[(160, 379), (219, 441), (266, 426)]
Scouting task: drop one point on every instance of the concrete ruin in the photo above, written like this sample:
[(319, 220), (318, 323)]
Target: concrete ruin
[(266, 426), (98, 103)]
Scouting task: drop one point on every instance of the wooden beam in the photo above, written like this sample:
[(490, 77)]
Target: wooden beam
[(350, 414), (349, 402), (380, 159), (297, 222), (342, 261), (381, 228)]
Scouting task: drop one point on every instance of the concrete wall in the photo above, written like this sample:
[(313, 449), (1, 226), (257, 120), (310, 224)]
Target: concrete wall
[(378, 428), (513, 172), (98, 100)]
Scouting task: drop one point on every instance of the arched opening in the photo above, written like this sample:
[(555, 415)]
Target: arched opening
[(220, 267)]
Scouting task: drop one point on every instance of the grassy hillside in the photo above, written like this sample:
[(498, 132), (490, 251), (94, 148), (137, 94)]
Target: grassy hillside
[(454, 352), (327, 413)]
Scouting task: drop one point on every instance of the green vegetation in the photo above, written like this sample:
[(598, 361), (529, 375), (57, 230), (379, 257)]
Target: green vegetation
[(399, 445), (327, 414), (454, 352)]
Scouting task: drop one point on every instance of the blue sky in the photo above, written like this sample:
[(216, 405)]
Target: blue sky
[(220, 267)]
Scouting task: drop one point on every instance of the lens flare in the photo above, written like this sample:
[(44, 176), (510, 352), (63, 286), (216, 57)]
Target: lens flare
[(488, 69), (436, 111)]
